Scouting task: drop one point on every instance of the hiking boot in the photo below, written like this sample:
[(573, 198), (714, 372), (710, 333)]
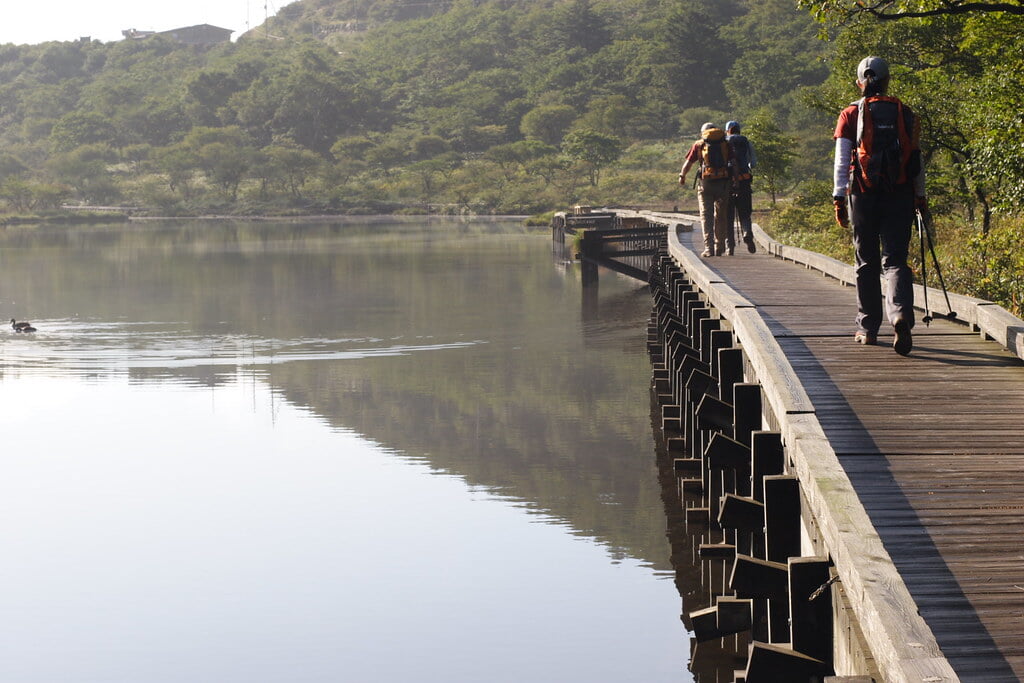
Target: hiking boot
[(866, 338), (904, 341), (707, 252), (749, 239)]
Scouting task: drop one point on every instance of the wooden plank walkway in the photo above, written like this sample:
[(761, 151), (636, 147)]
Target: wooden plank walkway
[(933, 444)]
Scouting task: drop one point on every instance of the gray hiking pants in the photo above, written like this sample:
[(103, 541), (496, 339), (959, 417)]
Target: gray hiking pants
[(882, 225)]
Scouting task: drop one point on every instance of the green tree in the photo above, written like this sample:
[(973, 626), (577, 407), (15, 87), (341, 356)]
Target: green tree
[(24, 195), (548, 122), (86, 169), (386, 156), (775, 151), (82, 128), (428, 146), (295, 165), (179, 164), (514, 156), (432, 173), (351, 147), (226, 164), (594, 150), (608, 114)]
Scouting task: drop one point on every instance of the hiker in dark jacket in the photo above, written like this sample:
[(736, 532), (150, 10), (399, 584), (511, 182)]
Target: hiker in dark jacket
[(741, 200), (879, 183)]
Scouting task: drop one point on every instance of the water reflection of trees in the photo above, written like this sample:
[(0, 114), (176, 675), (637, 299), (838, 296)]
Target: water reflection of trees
[(522, 435), (549, 410)]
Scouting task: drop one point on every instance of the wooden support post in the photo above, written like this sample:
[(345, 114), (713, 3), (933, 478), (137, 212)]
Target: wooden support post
[(675, 445), (673, 332), (767, 458), (707, 327), (746, 410), (781, 541), (676, 350), (695, 383), (810, 607), (741, 514), (661, 384), (704, 624), (679, 292), (697, 516), (689, 365), (698, 384), (697, 314), (666, 310), (734, 615), (755, 578), (688, 300), (671, 419), (782, 517), (716, 551), (714, 414), (687, 467), (726, 453), (720, 340), (778, 664), (759, 627), (728, 617), (678, 286), (730, 371)]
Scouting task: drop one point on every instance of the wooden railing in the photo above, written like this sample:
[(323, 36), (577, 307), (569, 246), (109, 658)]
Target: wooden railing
[(703, 325)]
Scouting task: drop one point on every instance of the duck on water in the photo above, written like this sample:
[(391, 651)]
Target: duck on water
[(22, 326)]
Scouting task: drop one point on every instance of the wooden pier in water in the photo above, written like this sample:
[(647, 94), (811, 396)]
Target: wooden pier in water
[(858, 513)]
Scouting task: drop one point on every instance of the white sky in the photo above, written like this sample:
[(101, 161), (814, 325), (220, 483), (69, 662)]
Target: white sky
[(39, 21)]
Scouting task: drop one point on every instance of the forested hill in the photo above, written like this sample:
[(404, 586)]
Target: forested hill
[(468, 105), (343, 105)]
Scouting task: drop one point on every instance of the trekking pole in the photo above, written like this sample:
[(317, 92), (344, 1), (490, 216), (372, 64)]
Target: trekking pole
[(938, 269), (924, 268), (737, 231)]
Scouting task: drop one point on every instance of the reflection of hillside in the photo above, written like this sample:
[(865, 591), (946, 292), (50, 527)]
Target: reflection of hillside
[(537, 404), (564, 431)]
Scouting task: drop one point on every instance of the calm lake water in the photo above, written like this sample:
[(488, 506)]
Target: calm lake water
[(383, 451)]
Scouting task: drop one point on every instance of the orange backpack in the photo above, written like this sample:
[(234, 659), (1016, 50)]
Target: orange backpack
[(887, 135), (714, 154)]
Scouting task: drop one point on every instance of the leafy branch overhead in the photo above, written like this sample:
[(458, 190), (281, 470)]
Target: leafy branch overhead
[(891, 10)]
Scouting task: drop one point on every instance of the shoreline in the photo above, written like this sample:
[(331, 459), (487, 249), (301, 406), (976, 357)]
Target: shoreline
[(112, 218)]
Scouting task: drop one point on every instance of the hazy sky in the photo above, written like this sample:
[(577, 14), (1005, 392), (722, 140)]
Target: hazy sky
[(38, 21)]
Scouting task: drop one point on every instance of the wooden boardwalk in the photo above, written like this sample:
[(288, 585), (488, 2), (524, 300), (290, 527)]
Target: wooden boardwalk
[(933, 444)]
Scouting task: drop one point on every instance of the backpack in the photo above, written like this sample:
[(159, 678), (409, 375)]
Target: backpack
[(741, 156), (714, 154), (886, 152)]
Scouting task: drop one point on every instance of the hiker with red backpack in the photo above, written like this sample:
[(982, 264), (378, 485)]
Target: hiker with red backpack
[(714, 156), (741, 202), (879, 185)]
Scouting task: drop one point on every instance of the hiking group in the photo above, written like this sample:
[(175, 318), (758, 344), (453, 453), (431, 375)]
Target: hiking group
[(724, 160), (879, 189)]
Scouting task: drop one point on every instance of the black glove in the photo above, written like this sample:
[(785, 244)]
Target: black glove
[(842, 215)]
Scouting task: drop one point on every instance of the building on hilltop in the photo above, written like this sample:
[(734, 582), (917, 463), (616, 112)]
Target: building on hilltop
[(201, 34)]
